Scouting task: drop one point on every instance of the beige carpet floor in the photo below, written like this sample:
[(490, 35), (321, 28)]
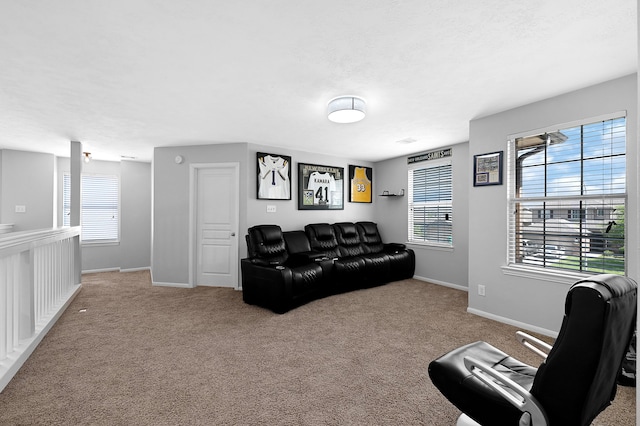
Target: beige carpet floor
[(127, 353)]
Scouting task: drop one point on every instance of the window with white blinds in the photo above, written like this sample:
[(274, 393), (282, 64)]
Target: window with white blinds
[(430, 204), (567, 198), (100, 207)]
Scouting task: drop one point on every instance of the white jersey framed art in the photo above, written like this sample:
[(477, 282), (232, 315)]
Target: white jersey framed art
[(320, 187), (274, 176)]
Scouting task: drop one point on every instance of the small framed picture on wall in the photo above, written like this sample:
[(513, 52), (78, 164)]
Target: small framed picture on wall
[(274, 176), (487, 169)]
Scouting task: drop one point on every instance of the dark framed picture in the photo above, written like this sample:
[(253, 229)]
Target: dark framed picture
[(274, 176), (320, 187), (487, 169), (360, 184)]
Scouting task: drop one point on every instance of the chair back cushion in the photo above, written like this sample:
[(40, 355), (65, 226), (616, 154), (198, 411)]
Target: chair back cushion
[(348, 239), (578, 379), (296, 242), (322, 238), (370, 237), (265, 242)]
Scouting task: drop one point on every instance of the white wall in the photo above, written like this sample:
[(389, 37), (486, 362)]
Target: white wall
[(637, 142), (439, 265), (287, 214), (537, 301), (135, 215), (28, 179), (134, 249), (1, 180), (170, 246)]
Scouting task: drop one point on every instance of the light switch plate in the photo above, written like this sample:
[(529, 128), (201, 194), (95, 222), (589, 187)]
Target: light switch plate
[(21, 209), (271, 208)]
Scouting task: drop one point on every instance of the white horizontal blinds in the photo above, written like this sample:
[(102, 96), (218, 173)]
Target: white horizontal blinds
[(99, 207), (569, 198), (99, 217), (430, 204), (66, 200)]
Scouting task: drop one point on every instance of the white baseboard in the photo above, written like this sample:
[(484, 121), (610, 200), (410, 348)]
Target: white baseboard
[(178, 285), (514, 323), (143, 268), (442, 283), (166, 284), (95, 271), (504, 320)]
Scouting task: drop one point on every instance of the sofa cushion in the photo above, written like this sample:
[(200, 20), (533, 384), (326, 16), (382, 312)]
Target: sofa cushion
[(322, 238), (265, 244), (306, 278), (370, 237), (296, 242), (348, 239)]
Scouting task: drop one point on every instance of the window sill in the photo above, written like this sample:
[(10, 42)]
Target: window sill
[(99, 243), (430, 246), (556, 276)]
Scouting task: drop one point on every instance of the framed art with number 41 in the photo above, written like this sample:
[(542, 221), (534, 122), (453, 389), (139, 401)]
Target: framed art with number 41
[(320, 187)]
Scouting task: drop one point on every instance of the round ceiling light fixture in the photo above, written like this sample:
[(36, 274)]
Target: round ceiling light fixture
[(346, 109)]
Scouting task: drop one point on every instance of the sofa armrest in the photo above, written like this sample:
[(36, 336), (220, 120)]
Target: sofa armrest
[(267, 285), (394, 247), (532, 412), (262, 262), (534, 344), (303, 258)]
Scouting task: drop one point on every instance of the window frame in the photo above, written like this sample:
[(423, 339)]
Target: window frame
[(66, 208), (431, 164), (549, 273)]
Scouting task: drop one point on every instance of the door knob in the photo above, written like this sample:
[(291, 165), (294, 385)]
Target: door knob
[(233, 234)]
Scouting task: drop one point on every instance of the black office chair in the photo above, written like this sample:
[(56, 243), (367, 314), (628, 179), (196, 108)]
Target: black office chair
[(575, 382)]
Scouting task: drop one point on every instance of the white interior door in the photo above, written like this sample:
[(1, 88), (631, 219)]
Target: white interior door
[(216, 225)]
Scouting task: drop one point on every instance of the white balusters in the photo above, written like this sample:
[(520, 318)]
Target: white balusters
[(38, 274)]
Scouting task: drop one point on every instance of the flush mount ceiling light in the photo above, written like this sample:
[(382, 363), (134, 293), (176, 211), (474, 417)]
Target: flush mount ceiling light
[(346, 109)]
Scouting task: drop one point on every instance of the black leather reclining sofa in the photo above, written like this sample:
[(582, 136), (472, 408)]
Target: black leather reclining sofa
[(287, 269)]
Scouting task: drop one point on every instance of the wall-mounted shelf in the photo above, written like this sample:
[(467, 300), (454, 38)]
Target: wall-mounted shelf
[(388, 194)]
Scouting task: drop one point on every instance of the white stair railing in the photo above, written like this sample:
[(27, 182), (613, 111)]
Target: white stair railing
[(39, 277)]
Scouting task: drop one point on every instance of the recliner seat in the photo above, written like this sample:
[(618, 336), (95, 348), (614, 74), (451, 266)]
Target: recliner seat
[(270, 278), (348, 270), (377, 264), (402, 261)]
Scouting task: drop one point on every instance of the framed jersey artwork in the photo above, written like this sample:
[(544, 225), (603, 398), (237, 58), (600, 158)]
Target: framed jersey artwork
[(320, 187), (274, 176), (360, 184)]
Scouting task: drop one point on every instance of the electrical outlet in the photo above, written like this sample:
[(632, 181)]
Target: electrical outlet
[(21, 209), (271, 208), (481, 290)]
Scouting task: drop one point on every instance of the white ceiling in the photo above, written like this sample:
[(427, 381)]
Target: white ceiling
[(124, 76)]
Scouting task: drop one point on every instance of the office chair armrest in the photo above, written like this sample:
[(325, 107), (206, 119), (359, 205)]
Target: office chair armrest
[(516, 395), (536, 345)]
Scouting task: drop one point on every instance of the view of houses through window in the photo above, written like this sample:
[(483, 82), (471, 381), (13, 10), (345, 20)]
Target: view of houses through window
[(568, 197)]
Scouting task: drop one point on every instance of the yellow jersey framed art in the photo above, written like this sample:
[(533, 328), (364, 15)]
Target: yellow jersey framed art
[(360, 184)]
